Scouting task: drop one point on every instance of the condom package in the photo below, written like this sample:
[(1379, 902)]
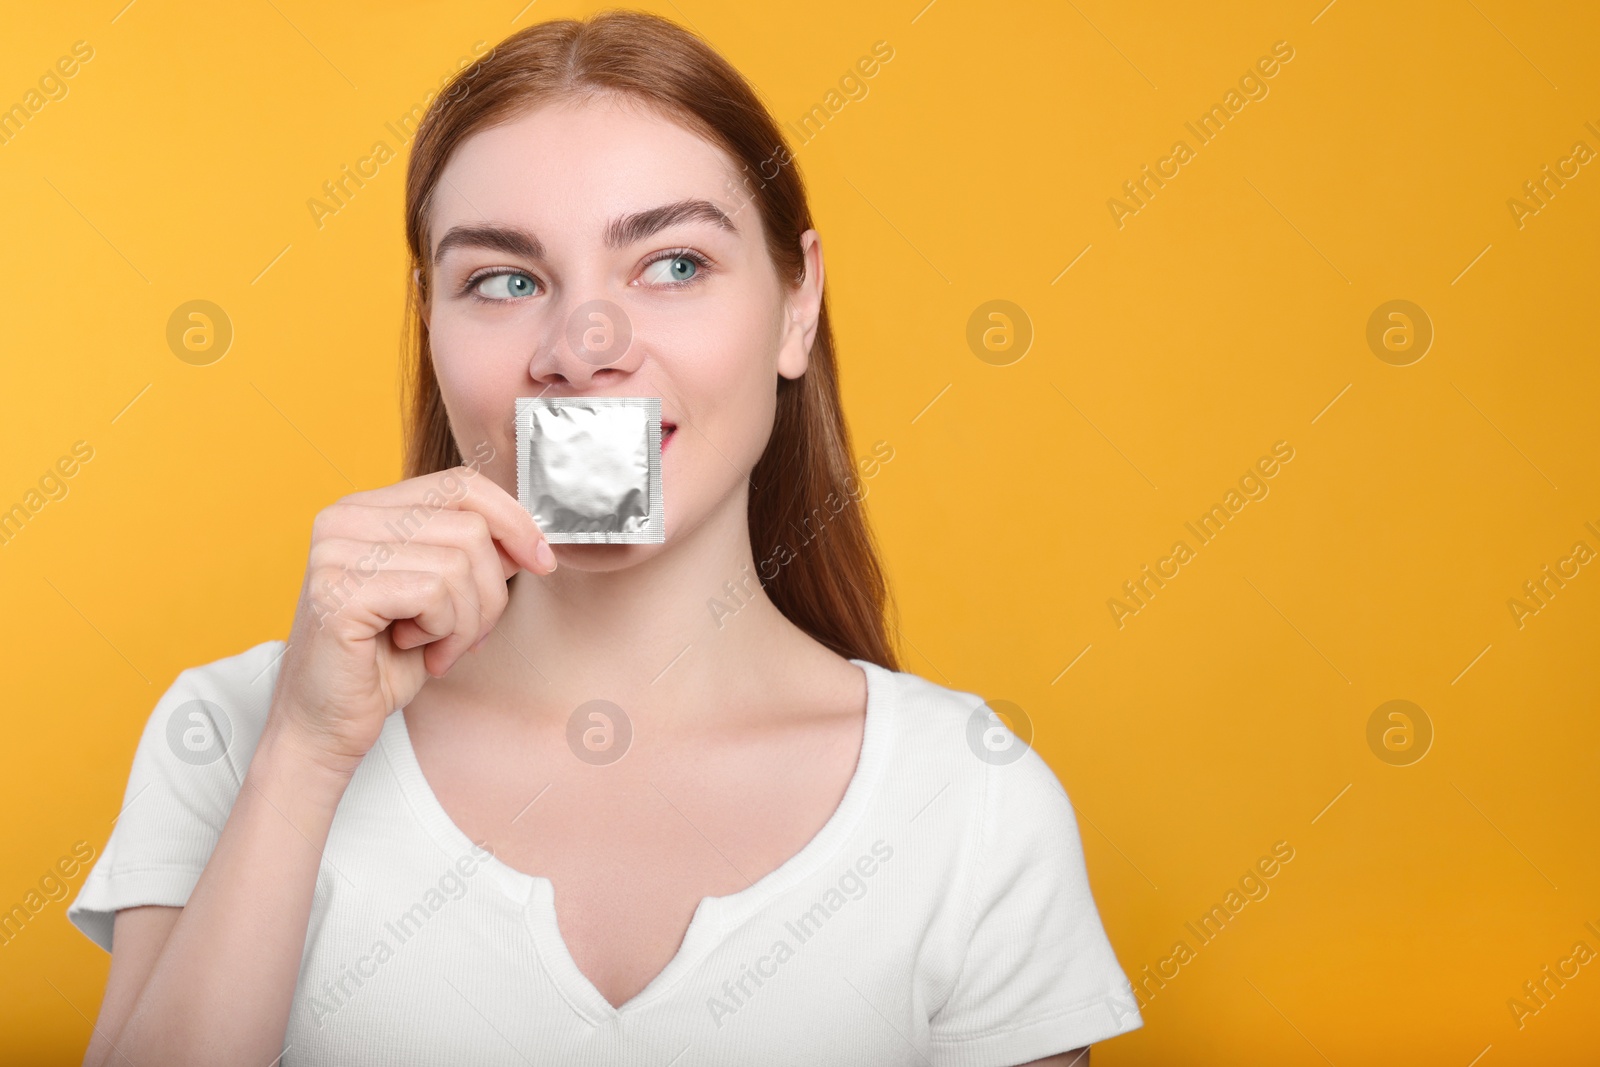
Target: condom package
[(589, 467)]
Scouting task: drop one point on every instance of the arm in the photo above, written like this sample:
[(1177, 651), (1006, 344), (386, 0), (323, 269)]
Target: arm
[(212, 982), (1061, 986), (138, 934)]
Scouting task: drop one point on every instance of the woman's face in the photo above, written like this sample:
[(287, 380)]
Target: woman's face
[(596, 249)]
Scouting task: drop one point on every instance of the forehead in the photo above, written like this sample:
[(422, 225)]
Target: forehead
[(573, 165)]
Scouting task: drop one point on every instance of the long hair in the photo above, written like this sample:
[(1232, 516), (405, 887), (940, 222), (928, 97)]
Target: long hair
[(833, 586)]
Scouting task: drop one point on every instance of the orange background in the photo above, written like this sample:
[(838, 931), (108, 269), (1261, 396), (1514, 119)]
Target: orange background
[(1228, 313)]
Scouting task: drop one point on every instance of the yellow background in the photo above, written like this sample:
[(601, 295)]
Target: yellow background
[(1228, 314)]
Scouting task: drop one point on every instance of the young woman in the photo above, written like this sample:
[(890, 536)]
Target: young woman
[(659, 804)]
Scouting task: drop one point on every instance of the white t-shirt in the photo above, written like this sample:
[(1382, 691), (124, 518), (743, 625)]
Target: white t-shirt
[(941, 916)]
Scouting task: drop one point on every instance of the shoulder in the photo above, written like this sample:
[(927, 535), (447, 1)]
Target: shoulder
[(215, 712), (187, 770), (917, 700), (242, 677), (199, 739), (953, 764), (255, 667), (1019, 933), (961, 734), (1026, 966)]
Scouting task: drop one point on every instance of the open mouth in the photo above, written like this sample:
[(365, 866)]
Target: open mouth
[(667, 430)]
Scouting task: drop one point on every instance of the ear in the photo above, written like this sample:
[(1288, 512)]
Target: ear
[(802, 311)]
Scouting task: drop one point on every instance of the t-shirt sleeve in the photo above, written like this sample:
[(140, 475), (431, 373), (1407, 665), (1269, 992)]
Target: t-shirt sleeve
[(187, 770), (1039, 977)]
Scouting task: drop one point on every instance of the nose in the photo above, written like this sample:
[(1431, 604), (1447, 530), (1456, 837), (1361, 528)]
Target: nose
[(593, 340)]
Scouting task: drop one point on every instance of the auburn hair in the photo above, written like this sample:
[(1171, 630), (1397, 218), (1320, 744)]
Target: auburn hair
[(833, 586)]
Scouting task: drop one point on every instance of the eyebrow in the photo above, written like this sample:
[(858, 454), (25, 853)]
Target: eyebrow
[(619, 233)]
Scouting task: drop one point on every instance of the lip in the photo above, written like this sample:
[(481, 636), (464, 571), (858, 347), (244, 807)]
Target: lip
[(666, 424)]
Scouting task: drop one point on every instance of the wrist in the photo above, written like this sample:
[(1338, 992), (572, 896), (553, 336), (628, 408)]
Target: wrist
[(289, 765)]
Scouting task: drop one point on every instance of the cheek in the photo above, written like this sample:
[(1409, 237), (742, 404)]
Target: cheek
[(728, 377), (733, 418), (478, 386), (725, 379), (475, 368)]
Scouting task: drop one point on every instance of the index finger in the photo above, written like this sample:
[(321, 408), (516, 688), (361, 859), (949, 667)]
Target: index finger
[(465, 488)]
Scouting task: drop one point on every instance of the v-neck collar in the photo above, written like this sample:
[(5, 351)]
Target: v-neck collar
[(713, 918)]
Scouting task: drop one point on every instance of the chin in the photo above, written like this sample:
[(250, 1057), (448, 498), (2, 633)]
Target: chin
[(601, 558)]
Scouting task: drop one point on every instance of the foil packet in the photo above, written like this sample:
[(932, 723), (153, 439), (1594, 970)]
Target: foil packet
[(589, 468)]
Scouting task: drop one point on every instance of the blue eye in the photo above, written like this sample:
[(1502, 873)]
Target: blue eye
[(675, 268), (508, 285)]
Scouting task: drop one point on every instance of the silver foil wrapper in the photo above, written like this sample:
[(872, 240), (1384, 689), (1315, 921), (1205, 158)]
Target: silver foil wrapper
[(589, 467)]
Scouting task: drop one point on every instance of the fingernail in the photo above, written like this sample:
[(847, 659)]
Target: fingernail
[(545, 555)]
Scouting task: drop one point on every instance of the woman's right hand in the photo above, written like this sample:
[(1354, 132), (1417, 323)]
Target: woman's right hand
[(400, 583)]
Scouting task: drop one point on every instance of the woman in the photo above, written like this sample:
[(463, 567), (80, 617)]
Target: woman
[(806, 855)]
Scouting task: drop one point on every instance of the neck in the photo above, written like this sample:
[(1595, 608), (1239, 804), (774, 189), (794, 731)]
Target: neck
[(652, 628)]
